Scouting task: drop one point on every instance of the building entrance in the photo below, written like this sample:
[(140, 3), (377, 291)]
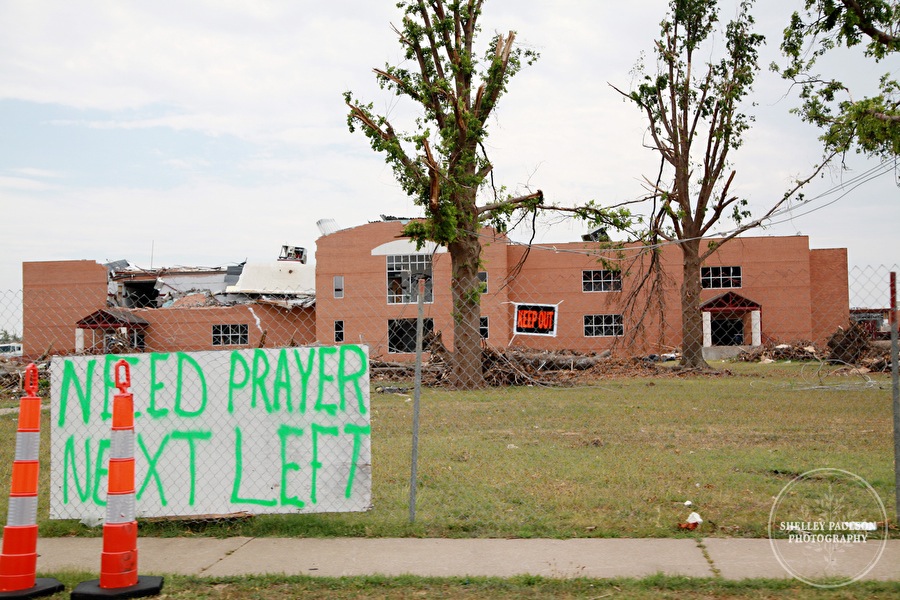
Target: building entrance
[(727, 332)]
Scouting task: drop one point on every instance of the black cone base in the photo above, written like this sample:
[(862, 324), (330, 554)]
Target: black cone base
[(146, 586), (43, 586)]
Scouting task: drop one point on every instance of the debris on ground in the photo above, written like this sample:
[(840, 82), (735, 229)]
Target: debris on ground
[(392, 389), (850, 345), (877, 364), (771, 352), (665, 357), (13, 370), (692, 523), (526, 366), (853, 347)]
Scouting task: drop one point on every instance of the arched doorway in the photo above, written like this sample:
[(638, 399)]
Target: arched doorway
[(731, 320)]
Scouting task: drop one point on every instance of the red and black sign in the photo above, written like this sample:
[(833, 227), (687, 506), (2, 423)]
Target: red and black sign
[(535, 319)]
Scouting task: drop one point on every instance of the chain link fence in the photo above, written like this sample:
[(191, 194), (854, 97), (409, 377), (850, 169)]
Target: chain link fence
[(581, 315), (213, 349)]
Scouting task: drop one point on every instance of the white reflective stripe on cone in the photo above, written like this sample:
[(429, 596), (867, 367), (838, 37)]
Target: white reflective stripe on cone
[(119, 508), (121, 443), (22, 511), (28, 445)]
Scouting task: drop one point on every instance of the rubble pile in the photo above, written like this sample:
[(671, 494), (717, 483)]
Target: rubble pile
[(522, 366), (853, 346), (13, 370), (877, 364), (10, 377), (771, 352)]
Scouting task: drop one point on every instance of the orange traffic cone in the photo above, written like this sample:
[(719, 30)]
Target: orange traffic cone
[(18, 560), (118, 561)]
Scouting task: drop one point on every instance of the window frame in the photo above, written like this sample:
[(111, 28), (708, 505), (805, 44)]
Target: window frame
[(409, 336), (610, 280), (618, 325), (338, 331), (483, 279), (484, 327), (230, 331), (721, 277), (338, 287), (401, 283)]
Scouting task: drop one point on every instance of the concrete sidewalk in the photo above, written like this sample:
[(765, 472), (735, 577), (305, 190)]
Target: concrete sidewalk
[(335, 557)]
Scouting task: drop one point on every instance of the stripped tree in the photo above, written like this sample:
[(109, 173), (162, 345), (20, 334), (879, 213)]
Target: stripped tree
[(693, 108), (442, 163)]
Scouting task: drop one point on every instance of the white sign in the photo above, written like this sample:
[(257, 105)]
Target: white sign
[(220, 432)]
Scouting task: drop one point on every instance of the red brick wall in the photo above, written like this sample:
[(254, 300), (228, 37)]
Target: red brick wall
[(190, 329), (803, 295), (364, 309), (348, 253), (55, 296), (555, 277), (59, 294), (829, 292), (776, 274)]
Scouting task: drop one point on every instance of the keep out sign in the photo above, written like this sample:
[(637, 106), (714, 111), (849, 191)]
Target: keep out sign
[(535, 319), (253, 430)]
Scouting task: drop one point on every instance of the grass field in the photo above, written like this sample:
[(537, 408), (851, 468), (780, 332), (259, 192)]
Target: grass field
[(617, 459), (481, 588)]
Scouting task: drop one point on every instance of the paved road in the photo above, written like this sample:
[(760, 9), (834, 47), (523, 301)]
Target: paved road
[(595, 558)]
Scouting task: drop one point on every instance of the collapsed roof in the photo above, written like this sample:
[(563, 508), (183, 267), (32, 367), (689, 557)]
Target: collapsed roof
[(285, 283)]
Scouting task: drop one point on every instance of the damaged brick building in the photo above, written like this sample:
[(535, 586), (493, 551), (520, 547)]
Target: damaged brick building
[(83, 306), (362, 289), (755, 290)]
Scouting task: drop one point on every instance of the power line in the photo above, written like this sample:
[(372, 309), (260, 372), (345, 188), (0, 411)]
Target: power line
[(845, 187)]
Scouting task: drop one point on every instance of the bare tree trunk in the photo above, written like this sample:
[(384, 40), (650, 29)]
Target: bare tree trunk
[(691, 316), (465, 254)]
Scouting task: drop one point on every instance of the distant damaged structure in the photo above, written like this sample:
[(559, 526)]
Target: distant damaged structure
[(588, 297), (86, 307)]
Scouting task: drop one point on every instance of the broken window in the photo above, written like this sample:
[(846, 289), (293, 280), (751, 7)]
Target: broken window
[(293, 253), (603, 326), (338, 286), (116, 341), (601, 280), (714, 278), (483, 278), (231, 335), (403, 274), (483, 328), (402, 334), (139, 294), (338, 332)]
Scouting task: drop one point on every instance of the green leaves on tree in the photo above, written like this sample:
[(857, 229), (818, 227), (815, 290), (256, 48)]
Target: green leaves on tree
[(868, 124)]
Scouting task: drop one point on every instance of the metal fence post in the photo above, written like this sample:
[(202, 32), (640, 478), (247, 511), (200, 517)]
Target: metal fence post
[(895, 385), (417, 393)]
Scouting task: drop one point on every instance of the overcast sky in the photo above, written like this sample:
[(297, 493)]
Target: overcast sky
[(207, 132)]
